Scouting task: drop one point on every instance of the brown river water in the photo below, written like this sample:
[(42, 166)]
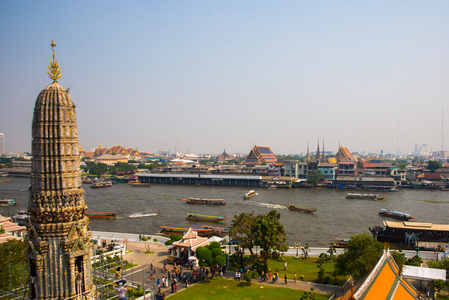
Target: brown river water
[(143, 210)]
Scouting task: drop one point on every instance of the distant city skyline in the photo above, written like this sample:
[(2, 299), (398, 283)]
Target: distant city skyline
[(228, 75)]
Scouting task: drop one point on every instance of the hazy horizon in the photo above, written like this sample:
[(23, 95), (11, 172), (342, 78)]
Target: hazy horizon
[(228, 75)]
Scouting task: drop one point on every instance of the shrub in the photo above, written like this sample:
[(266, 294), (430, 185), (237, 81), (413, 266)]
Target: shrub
[(301, 277), (169, 242), (155, 240), (175, 237), (247, 277), (144, 239)]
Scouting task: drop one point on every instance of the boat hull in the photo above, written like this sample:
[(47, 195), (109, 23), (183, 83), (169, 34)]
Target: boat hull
[(205, 201)]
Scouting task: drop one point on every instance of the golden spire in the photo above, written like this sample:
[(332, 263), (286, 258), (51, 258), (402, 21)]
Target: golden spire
[(53, 69)]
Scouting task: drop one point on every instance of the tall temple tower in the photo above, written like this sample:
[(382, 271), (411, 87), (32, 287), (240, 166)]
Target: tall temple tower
[(59, 243)]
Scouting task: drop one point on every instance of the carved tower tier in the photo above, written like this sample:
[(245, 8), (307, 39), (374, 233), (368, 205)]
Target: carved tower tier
[(58, 234)]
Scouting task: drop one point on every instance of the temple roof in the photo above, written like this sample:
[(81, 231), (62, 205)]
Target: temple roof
[(258, 155), (383, 282)]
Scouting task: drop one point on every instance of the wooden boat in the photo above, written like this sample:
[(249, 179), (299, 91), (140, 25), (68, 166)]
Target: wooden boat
[(302, 208), (7, 202), (101, 184), (191, 200), (138, 184), (101, 215), (22, 218), (250, 194), (395, 214), (198, 217), (217, 230), (340, 243), (166, 230), (406, 232), (364, 196)]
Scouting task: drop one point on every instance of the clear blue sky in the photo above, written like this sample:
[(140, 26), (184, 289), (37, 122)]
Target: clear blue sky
[(231, 74)]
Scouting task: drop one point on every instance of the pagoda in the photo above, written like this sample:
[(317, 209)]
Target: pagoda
[(59, 246)]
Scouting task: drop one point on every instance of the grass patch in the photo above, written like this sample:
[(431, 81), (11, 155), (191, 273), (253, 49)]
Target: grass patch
[(307, 268), (223, 289), (149, 252)]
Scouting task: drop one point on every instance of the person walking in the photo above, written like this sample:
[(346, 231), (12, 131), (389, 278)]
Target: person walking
[(121, 291), (294, 278), (285, 278), (285, 266)]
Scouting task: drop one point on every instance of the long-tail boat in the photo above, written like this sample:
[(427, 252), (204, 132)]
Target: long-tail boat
[(302, 208), (365, 196), (167, 230), (395, 214), (192, 200), (198, 217), (7, 202), (217, 230), (101, 215)]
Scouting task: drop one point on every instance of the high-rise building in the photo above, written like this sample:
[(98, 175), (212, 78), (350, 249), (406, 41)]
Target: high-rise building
[(2, 144), (60, 249)]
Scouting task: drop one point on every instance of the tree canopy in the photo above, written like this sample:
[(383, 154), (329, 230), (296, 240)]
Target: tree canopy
[(360, 256), (211, 256), (434, 165), (14, 262), (240, 229), (269, 234)]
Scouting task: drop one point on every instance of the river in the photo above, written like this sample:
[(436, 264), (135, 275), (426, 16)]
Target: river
[(143, 210)]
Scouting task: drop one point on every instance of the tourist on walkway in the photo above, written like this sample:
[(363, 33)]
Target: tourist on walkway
[(294, 278), (121, 291), (285, 278), (285, 266)]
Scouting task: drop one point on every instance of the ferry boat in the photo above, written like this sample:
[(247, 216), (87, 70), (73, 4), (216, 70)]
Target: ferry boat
[(217, 230), (101, 184), (101, 215), (302, 208), (167, 231), (138, 184), (191, 200), (250, 194), (395, 214), (364, 196), (198, 217), (403, 232), (7, 202)]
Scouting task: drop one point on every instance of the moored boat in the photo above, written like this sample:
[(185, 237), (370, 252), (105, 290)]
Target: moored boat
[(405, 232), (198, 217), (249, 194), (395, 214), (7, 202), (301, 208), (192, 200), (101, 184), (217, 230), (22, 218), (364, 196), (101, 215), (167, 230), (340, 243)]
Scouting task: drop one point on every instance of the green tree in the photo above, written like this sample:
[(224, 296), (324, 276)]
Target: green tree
[(314, 177), (414, 261), (439, 284), (240, 229), (175, 237), (433, 165), (269, 235), (211, 256), (360, 256), (97, 169), (399, 258), (13, 261)]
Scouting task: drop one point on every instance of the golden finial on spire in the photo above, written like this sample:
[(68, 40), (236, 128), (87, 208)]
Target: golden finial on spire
[(53, 69)]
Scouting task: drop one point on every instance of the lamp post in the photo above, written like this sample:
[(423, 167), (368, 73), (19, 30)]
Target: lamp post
[(297, 246)]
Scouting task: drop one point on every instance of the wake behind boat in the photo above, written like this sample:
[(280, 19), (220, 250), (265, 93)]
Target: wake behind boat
[(191, 200), (302, 208), (365, 196), (395, 214), (198, 217)]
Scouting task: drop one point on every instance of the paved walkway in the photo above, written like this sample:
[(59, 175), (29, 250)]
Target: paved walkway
[(160, 254)]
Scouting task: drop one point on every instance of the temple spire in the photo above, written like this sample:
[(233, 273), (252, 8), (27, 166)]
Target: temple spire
[(317, 156), (53, 69), (307, 157)]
